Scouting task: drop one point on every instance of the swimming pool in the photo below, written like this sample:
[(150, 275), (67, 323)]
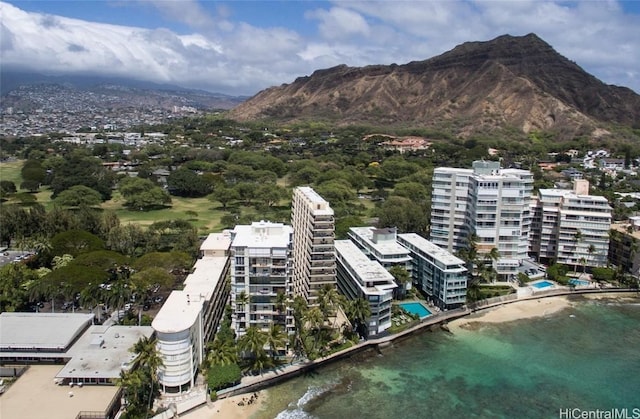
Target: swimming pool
[(542, 284), (416, 308), (581, 282)]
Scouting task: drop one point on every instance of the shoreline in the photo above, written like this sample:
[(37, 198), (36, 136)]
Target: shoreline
[(517, 310), (504, 312), (531, 308), (228, 407)]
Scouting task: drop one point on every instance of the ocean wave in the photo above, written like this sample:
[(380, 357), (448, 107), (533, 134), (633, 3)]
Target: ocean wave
[(296, 409)]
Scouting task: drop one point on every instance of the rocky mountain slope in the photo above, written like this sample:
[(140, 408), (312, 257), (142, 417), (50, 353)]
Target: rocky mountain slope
[(510, 81)]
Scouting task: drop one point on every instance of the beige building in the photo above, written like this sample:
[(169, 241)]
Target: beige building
[(314, 259), (260, 272)]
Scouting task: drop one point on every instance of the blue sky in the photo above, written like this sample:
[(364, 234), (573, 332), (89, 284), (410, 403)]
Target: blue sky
[(241, 47)]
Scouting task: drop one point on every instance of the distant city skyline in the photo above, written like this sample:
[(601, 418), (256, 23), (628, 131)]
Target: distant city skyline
[(242, 47)]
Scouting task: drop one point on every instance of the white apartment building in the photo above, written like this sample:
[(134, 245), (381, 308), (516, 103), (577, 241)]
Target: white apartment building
[(190, 317), (260, 272), (490, 202), (500, 213), (450, 195), (380, 244), (360, 277), (313, 250), (571, 227), (439, 274)]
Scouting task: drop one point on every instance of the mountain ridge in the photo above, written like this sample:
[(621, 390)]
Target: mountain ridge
[(518, 81)]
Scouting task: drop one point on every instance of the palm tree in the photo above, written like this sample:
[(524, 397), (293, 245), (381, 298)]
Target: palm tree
[(360, 311), (473, 291), (145, 374), (276, 339), (300, 309), (242, 299), (583, 261), (222, 353), (315, 318), (281, 302), (252, 345), (591, 250), (328, 299), (118, 295), (253, 341), (147, 355), (494, 254), (577, 239), (401, 277), (91, 296)]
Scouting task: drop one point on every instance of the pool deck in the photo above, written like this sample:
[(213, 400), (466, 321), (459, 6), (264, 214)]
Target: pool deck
[(430, 309)]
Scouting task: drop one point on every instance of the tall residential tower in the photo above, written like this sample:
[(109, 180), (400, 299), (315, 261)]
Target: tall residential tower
[(314, 259), (488, 203)]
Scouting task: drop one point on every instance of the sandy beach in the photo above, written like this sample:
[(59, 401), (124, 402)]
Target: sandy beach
[(514, 311), (228, 408)]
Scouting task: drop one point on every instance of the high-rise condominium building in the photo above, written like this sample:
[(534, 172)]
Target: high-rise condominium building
[(449, 220), (313, 243), (488, 203), (570, 226), (260, 276)]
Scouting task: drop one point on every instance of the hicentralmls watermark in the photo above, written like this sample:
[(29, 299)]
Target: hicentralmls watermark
[(615, 413)]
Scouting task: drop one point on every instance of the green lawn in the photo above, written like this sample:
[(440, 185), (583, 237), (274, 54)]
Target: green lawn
[(207, 220), (11, 171), (488, 291)]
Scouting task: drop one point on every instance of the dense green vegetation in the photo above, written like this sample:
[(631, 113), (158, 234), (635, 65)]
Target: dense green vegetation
[(102, 236)]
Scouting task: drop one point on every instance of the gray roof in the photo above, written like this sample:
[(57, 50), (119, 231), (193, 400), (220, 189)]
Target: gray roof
[(53, 332), (103, 351)]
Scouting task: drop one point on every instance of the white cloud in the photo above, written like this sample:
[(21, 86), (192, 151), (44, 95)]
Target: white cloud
[(223, 53), (339, 23)]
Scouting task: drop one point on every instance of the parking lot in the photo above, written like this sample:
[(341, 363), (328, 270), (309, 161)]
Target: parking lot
[(10, 256)]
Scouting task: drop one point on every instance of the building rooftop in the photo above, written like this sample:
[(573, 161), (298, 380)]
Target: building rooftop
[(431, 249), (178, 313), (46, 332), (382, 240), (34, 396), (454, 170), (207, 272), (217, 242), (262, 234), (103, 351), (365, 269), (317, 203)]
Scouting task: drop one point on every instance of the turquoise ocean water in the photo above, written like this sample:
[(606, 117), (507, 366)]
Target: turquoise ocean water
[(585, 357)]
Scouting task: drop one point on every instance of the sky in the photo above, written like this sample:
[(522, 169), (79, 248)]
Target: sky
[(241, 47)]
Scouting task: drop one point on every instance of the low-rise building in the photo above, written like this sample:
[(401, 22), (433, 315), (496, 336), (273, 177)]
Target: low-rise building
[(89, 354)]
